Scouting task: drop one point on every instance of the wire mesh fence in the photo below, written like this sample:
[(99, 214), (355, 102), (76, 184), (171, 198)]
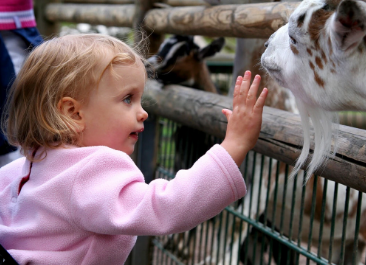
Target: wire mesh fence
[(279, 221)]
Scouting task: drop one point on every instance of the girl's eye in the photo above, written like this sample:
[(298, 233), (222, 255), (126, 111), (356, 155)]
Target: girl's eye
[(293, 40), (128, 99)]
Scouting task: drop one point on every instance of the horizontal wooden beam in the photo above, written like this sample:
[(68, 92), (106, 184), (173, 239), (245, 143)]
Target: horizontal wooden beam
[(243, 21), (95, 14), (124, 2), (281, 135), (120, 2)]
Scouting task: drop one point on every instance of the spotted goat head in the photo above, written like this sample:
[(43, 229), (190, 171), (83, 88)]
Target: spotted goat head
[(320, 55), (180, 60)]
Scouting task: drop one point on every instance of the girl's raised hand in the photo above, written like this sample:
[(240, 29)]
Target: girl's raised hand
[(245, 120)]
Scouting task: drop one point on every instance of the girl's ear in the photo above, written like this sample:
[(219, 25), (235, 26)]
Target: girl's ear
[(71, 109)]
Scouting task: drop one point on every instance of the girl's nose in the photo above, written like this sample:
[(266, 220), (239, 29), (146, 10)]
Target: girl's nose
[(142, 116)]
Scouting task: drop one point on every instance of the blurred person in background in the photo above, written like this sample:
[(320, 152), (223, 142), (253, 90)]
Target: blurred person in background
[(18, 36)]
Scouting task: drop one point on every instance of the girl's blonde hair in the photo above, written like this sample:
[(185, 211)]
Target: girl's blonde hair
[(68, 66)]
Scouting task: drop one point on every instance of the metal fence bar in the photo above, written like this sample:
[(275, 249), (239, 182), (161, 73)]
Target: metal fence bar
[(346, 204), (274, 206), (168, 253), (283, 240), (357, 230), (294, 188), (325, 188), (333, 220), (250, 205)]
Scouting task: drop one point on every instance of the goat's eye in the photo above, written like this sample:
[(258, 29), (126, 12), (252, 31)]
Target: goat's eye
[(293, 40), (326, 7)]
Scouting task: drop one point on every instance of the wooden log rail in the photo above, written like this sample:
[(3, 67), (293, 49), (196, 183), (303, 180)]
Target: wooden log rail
[(108, 15), (243, 21), (281, 134), (122, 2)]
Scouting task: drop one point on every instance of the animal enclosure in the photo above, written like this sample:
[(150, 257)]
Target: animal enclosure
[(245, 235), (280, 221), (308, 224)]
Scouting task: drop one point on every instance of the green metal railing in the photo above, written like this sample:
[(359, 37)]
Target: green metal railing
[(288, 207)]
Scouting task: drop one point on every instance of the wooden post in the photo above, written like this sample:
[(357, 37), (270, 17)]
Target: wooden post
[(147, 150), (145, 158), (247, 56), (141, 28), (46, 27)]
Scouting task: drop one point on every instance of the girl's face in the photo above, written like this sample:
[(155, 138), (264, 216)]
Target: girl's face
[(113, 115)]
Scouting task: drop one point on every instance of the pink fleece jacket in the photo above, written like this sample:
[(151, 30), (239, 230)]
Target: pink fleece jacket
[(16, 14), (87, 205)]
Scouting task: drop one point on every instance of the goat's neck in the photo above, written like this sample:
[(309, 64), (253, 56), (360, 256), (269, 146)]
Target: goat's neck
[(203, 79)]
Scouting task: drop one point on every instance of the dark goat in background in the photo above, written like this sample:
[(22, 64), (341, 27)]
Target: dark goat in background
[(181, 61), (281, 254)]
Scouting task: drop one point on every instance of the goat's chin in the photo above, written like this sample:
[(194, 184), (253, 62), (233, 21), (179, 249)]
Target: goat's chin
[(277, 76), (325, 125), (274, 71)]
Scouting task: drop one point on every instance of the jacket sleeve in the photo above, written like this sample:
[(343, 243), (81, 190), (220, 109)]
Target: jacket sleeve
[(110, 195)]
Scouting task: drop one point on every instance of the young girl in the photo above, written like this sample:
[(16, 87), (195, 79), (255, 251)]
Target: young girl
[(77, 197)]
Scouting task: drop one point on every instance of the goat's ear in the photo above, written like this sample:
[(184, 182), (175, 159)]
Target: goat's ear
[(187, 38), (151, 65), (211, 49), (348, 25)]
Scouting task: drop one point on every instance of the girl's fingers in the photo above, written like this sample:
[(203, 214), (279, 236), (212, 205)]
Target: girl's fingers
[(245, 94), (244, 88), (227, 113), (258, 107), (236, 101), (252, 93)]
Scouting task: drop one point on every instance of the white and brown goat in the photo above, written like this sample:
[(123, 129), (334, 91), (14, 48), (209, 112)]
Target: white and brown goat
[(320, 55)]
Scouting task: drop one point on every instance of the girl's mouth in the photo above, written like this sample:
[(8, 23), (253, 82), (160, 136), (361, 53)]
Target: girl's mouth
[(135, 135)]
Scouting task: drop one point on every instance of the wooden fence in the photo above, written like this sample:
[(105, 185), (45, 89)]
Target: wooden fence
[(281, 133)]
